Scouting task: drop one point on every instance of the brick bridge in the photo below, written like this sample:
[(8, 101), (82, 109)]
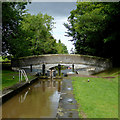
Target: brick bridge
[(52, 60)]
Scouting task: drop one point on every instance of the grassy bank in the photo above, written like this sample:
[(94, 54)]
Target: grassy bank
[(99, 97), (7, 78)]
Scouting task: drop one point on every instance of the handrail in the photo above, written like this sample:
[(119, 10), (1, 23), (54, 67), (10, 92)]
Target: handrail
[(22, 73)]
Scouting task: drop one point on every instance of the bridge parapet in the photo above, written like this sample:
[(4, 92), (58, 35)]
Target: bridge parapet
[(63, 59)]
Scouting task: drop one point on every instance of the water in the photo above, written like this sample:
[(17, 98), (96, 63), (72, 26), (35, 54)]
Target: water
[(40, 100)]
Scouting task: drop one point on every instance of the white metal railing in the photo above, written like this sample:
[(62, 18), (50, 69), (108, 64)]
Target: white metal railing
[(22, 73)]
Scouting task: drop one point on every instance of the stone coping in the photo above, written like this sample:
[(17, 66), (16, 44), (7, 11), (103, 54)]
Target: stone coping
[(64, 55)]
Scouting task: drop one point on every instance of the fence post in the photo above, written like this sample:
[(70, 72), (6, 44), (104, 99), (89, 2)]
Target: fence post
[(43, 69)]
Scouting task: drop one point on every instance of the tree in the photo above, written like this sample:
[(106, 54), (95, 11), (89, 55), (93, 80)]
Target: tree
[(61, 48), (38, 33), (12, 13), (25, 34), (94, 28)]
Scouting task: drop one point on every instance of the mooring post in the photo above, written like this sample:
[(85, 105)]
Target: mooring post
[(59, 69), (30, 67), (43, 69), (72, 67)]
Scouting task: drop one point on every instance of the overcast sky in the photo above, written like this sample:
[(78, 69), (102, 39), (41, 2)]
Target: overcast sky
[(60, 11)]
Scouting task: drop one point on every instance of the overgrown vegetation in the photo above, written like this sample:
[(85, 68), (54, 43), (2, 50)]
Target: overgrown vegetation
[(94, 27), (97, 98)]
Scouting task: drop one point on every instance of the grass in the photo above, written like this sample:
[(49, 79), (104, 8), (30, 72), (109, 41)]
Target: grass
[(4, 60), (111, 72), (99, 97), (0, 58), (7, 78)]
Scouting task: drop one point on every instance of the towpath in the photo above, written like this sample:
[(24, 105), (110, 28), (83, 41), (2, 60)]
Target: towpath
[(67, 104)]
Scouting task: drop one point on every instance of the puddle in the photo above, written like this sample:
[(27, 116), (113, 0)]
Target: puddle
[(69, 88), (70, 100), (40, 100)]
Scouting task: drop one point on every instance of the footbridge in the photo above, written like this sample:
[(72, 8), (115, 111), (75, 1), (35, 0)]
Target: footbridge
[(51, 60)]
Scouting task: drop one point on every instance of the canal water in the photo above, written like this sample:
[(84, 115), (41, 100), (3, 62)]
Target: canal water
[(40, 100)]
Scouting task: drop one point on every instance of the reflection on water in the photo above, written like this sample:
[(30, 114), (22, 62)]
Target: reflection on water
[(59, 86), (40, 100), (23, 97)]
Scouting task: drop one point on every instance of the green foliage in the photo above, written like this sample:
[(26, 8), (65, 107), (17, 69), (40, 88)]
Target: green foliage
[(25, 34), (61, 48), (5, 59), (37, 29), (94, 28), (12, 13)]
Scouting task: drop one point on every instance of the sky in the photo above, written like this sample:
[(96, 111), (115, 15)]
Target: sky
[(60, 11)]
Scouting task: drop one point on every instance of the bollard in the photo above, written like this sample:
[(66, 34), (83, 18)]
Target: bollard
[(59, 69), (30, 67), (43, 69), (72, 67)]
